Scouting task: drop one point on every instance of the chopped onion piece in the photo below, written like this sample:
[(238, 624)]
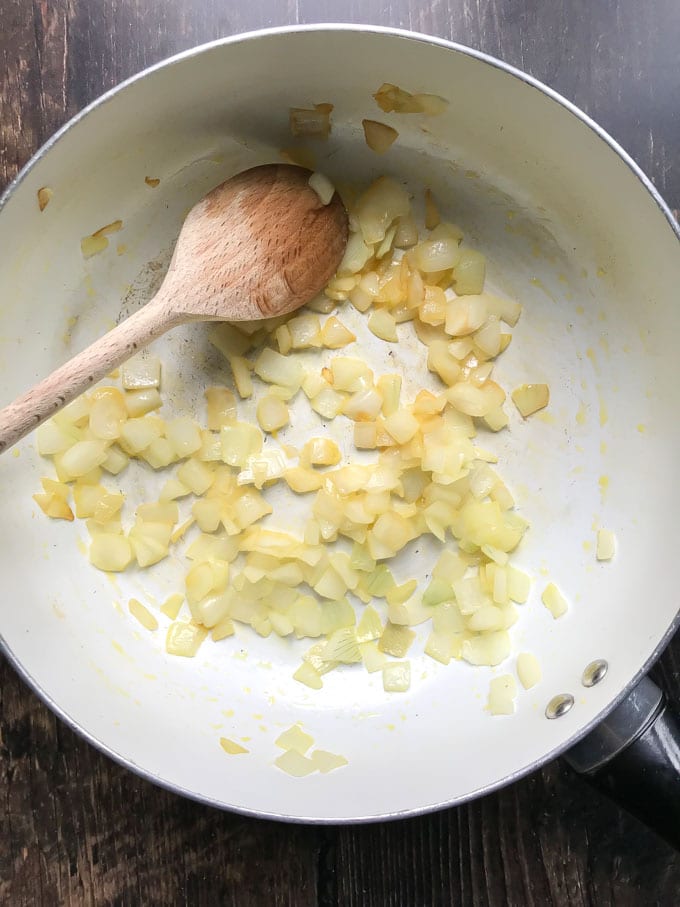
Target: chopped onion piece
[(92, 245), (141, 372), (294, 739), (184, 638), (349, 374), (239, 442), (488, 649), (328, 403), (465, 315), (83, 457), (379, 136), (44, 196), (110, 552), (396, 676), (295, 764), (231, 747), (325, 762), (305, 331), (142, 614), (363, 406), (475, 401), (401, 425), (380, 205), (143, 401), (391, 98), (323, 187), (507, 310), (196, 476), (433, 255), (54, 506), (334, 334), (272, 413), (303, 480), (502, 694), (184, 435), (274, 368), (554, 601), (320, 452), (314, 123), (382, 324), (309, 676), (396, 640), (241, 371), (171, 607), (529, 398), (221, 407), (606, 545), (441, 646), (528, 670)]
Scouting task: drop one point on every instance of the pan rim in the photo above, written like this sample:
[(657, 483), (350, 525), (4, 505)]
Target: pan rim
[(604, 136)]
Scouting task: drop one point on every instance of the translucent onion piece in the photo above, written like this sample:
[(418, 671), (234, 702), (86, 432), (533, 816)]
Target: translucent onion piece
[(323, 187), (606, 545), (314, 123), (529, 398), (502, 693), (379, 136), (554, 601), (528, 670)]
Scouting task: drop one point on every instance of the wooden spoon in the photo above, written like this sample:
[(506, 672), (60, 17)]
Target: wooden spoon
[(259, 245)]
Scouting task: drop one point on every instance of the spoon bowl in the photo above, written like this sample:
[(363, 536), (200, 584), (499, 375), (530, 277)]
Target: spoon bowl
[(260, 244)]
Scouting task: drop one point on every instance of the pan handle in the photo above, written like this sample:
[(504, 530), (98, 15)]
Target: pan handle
[(633, 756)]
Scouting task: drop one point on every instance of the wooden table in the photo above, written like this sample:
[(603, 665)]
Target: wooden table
[(77, 829)]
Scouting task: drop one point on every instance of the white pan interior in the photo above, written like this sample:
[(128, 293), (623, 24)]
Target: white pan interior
[(569, 230)]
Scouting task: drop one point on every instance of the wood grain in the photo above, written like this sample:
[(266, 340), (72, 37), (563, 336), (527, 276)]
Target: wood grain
[(77, 829)]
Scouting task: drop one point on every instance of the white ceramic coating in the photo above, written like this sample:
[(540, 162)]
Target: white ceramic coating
[(569, 229)]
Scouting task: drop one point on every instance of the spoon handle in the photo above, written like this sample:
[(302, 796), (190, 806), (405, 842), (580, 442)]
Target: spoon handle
[(54, 392)]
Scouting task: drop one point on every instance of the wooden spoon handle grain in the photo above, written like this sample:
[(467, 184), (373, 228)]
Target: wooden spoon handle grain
[(81, 372)]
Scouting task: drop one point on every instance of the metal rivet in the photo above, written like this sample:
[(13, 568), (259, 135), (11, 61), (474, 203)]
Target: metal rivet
[(594, 672), (559, 705)]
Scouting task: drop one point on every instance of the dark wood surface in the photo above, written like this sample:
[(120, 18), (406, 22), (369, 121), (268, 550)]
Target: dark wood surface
[(77, 829)]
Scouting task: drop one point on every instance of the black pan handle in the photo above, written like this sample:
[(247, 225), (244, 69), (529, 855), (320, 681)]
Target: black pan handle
[(633, 756)]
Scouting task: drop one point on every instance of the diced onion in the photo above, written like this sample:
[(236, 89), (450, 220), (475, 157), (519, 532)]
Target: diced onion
[(396, 676), (294, 738), (606, 545), (529, 398), (391, 98), (110, 552), (377, 209), (334, 334), (44, 197), (502, 693), (425, 474), (184, 639), (272, 413), (142, 614), (141, 372), (554, 601), (528, 670), (323, 187), (231, 747), (379, 136), (314, 123), (382, 324), (436, 255)]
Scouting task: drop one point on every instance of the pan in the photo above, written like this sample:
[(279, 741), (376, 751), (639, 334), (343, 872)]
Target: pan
[(571, 228)]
